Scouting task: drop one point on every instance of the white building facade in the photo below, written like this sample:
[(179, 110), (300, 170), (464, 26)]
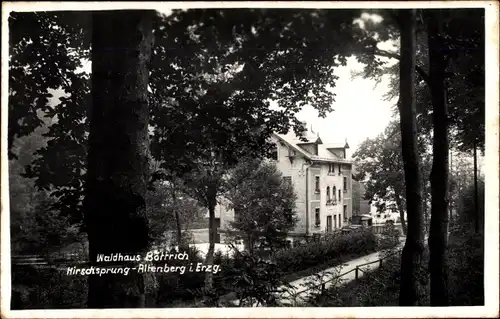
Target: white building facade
[(321, 175)]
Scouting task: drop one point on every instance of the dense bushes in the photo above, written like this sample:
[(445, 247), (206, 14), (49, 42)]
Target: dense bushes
[(466, 262), (46, 288), (252, 279), (377, 288), (175, 287), (330, 247)]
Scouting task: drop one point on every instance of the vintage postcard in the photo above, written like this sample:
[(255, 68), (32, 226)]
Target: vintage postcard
[(250, 159)]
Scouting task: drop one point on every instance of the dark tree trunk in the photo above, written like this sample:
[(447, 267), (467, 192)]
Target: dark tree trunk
[(212, 234), (438, 232), (399, 204), (118, 154), (450, 192), (425, 207), (411, 259), (178, 226), (476, 200)]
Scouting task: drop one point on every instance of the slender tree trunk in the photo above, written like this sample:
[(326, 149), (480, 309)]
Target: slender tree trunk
[(438, 233), (212, 234), (450, 192), (411, 259), (178, 226), (118, 154), (401, 213), (476, 200), (425, 207), (251, 243)]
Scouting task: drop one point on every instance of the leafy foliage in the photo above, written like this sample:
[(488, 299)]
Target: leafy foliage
[(217, 79), (389, 238), (316, 284), (257, 281), (464, 50), (466, 262), (165, 202), (378, 288), (174, 286), (379, 159), (46, 53), (263, 204), (46, 288), (466, 207), (36, 227), (331, 247)]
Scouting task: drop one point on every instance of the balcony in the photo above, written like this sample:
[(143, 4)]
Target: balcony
[(331, 202)]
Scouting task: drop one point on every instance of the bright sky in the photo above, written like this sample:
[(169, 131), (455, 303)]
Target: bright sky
[(359, 109)]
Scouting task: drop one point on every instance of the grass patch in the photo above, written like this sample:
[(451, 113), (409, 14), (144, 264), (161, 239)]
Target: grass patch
[(376, 288)]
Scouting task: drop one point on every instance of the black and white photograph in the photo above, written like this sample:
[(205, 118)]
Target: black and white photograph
[(237, 159)]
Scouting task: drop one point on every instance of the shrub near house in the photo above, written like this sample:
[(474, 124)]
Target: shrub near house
[(355, 243)]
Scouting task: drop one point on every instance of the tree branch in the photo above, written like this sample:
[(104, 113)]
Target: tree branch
[(396, 56)]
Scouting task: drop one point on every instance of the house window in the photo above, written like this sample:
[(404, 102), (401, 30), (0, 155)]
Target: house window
[(345, 212), (340, 172), (340, 222), (317, 184), (328, 193), (340, 194), (237, 215), (274, 152), (335, 221), (330, 168), (344, 153), (334, 194), (345, 183), (317, 221), (287, 179), (328, 223)]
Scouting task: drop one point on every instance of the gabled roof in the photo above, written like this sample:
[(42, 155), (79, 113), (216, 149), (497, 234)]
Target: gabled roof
[(337, 145), (324, 155)]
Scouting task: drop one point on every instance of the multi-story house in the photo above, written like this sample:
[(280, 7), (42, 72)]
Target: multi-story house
[(321, 175)]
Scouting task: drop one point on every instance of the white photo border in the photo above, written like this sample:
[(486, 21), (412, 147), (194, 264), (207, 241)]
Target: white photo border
[(491, 170)]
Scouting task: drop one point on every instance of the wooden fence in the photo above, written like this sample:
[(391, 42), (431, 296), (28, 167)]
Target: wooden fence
[(322, 286), (53, 259)]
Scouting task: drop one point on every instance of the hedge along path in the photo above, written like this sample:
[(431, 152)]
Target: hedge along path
[(299, 291)]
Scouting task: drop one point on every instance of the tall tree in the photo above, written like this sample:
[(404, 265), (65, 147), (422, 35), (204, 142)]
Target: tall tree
[(47, 49), (118, 154), (263, 204), (186, 85), (412, 256), (455, 55), (438, 233), (380, 159), (229, 77), (206, 183)]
